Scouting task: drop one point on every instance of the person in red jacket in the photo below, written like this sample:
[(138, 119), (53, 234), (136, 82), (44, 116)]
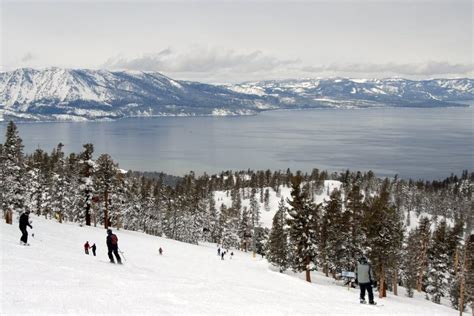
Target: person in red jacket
[(86, 247)]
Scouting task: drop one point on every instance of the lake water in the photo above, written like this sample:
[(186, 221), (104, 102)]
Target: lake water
[(417, 143)]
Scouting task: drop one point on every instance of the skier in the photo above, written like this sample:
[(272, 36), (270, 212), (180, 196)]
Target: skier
[(160, 251), (364, 277), (222, 255), (112, 246), (24, 222), (231, 255), (219, 251), (93, 249), (86, 247)]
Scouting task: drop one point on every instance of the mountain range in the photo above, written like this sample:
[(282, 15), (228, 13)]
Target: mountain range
[(82, 94)]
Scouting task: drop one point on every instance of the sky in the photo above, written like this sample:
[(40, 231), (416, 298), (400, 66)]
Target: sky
[(234, 41)]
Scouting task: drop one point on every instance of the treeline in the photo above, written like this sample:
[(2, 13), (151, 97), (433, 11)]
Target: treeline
[(367, 215)]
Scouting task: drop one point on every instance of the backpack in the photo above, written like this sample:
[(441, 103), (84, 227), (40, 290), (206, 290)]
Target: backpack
[(113, 239)]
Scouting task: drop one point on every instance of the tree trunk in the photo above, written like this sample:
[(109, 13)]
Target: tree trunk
[(421, 269), (9, 217), (382, 282), (456, 261), (308, 275), (395, 282), (106, 209)]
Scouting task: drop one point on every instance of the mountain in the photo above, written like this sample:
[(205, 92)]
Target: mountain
[(81, 94), (343, 92)]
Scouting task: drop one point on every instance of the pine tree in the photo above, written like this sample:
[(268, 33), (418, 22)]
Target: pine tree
[(410, 263), (214, 228), (383, 230), (337, 238), (13, 169), (229, 222), (105, 179), (245, 229), (423, 238), (60, 186), (353, 214), (438, 260), (86, 188), (266, 200), (277, 250), (303, 229)]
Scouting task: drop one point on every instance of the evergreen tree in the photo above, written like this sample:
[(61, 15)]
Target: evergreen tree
[(423, 233), (245, 229), (86, 187), (353, 214), (105, 180), (338, 237), (383, 229), (303, 229), (410, 262), (13, 169), (438, 260), (229, 222), (277, 250)]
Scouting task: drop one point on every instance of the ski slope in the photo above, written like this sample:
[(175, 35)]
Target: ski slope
[(54, 276)]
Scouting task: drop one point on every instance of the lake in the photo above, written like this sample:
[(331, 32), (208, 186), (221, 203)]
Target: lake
[(418, 143)]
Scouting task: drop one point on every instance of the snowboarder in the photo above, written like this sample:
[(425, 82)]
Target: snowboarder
[(24, 222), (94, 247), (219, 251), (364, 277), (112, 246), (160, 251), (86, 247)]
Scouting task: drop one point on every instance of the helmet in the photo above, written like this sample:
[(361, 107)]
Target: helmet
[(109, 231)]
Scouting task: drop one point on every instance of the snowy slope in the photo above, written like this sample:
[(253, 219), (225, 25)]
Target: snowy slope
[(54, 276)]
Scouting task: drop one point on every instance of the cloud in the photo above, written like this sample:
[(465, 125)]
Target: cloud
[(27, 57), (430, 68), (227, 65), (201, 60)]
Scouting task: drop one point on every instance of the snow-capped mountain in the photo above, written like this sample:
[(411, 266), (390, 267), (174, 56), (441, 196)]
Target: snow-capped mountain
[(57, 93), (78, 94), (342, 92)]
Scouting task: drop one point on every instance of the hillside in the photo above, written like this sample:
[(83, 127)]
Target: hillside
[(82, 94), (54, 276)]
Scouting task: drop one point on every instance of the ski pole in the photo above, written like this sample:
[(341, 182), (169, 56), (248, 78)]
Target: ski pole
[(121, 252)]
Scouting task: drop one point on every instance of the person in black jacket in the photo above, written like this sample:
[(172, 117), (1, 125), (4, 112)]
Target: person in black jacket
[(112, 246), (24, 222)]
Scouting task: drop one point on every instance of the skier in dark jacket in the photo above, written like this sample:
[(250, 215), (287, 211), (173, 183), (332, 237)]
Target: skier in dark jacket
[(24, 222), (112, 246), (365, 279), (94, 247), (86, 247)]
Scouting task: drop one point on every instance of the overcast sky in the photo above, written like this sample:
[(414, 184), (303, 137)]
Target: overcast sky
[(231, 41)]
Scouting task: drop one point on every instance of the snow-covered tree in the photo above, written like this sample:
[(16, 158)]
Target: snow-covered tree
[(303, 229), (277, 247), (438, 260)]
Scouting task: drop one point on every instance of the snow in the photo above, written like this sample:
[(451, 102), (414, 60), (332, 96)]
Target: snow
[(54, 276)]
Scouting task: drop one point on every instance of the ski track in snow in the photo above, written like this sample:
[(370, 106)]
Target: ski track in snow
[(54, 276)]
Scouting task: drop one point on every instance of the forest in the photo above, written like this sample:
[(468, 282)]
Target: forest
[(417, 234)]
